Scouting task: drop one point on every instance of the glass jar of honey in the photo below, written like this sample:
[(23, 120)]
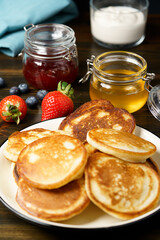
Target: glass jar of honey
[(49, 55), (120, 77)]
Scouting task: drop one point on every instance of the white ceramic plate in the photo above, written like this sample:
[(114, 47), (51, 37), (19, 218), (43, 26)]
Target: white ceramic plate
[(92, 217)]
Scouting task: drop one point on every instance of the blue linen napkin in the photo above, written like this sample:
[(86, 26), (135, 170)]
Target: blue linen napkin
[(15, 14)]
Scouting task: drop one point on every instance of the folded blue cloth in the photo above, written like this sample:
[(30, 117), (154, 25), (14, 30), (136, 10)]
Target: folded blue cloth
[(15, 14)]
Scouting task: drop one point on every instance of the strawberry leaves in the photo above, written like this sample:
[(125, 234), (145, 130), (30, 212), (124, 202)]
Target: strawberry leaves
[(66, 89), (13, 109), (12, 113)]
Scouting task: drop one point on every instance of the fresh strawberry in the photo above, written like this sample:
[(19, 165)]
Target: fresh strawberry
[(58, 103), (13, 108)]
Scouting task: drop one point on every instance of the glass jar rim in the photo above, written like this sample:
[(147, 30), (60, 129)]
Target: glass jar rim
[(100, 9), (58, 35), (108, 76), (54, 38)]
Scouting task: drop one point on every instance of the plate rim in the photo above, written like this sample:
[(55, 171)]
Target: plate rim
[(52, 224), (46, 223)]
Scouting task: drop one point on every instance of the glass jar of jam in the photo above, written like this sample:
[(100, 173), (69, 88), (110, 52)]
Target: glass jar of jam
[(49, 55), (120, 77)]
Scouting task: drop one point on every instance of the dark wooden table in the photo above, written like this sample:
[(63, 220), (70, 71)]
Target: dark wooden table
[(11, 226)]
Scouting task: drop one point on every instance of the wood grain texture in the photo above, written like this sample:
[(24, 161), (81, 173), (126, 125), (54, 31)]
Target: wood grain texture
[(11, 226)]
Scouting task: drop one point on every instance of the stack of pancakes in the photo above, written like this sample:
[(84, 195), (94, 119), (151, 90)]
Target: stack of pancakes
[(94, 156), (49, 172), (118, 179)]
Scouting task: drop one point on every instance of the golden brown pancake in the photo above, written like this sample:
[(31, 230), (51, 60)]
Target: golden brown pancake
[(122, 189), (121, 144), (18, 140), (52, 162), (99, 116), (94, 103), (88, 105), (90, 149), (151, 163), (55, 205)]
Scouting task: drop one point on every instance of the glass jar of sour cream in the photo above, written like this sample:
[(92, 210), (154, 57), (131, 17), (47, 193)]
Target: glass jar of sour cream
[(118, 23), (120, 77), (49, 55)]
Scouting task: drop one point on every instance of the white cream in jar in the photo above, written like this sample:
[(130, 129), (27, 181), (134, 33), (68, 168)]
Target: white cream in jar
[(118, 24)]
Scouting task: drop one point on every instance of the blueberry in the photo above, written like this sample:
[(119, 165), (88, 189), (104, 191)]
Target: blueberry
[(14, 90), (23, 88), (2, 83), (41, 94), (32, 102)]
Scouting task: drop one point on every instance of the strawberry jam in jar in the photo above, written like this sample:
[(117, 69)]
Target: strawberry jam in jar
[(49, 55)]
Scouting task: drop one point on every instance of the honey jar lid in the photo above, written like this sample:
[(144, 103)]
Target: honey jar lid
[(153, 101)]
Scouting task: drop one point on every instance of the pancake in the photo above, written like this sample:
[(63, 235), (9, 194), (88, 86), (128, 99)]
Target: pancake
[(90, 149), (97, 116), (151, 163), (52, 162), (94, 103), (88, 105), (122, 189), (121, 144), (55, 205), (18, 140)]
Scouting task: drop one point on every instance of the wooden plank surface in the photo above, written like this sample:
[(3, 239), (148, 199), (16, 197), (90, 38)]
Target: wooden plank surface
[(11, 226)]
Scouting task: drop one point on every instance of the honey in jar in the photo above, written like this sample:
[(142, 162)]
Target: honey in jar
[(120, 77)]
